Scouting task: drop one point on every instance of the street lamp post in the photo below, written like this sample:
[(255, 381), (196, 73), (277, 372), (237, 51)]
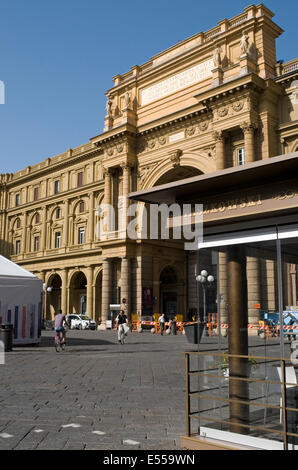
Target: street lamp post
[(45, 289), (206, 281)]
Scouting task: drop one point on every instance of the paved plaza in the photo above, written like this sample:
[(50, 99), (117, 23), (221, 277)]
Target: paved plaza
[(95, 395), (98, 394)]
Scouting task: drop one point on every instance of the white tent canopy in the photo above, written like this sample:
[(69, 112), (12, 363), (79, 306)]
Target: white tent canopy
[(20, 302), (8, 268)]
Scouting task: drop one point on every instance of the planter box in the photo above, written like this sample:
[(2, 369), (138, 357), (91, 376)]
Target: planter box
[(192, 334)]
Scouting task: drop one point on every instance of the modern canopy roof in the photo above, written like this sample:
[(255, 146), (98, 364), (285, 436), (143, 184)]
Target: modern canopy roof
[(270, 170)]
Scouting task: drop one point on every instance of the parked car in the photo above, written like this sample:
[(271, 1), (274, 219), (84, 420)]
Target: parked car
[(80, 322)]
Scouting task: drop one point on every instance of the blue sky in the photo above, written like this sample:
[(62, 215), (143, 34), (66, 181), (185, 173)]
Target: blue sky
[(58, 57)]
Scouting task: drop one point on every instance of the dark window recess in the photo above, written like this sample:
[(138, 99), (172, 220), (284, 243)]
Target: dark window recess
[(80, 178)]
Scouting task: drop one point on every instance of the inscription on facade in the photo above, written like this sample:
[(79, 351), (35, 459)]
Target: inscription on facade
[(177, 82), (175, 137)]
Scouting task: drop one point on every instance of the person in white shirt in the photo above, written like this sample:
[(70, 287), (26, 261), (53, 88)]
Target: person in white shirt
[(161, 322)]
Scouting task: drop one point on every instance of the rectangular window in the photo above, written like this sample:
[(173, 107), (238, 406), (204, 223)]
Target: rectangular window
[(58, 213), (36, 243), (81, 207), (241, 156), (80, 178), (35, 194), (57, 239), (81, 235), (56, 186), (18, 247), (17, 200)]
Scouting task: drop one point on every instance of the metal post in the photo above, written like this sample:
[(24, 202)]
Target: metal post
[(284, 404), (280, 297), (187, 388)]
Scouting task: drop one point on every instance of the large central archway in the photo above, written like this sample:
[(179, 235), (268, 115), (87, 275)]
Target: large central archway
[(171, 292), (176, 174)]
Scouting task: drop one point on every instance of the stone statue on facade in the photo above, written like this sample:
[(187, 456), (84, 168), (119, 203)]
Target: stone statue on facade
[(217, 57), (244, 43), (126, 99), (109, 106)]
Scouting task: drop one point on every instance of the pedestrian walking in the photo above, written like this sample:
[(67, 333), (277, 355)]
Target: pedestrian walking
[(121, 320), (161, 322)]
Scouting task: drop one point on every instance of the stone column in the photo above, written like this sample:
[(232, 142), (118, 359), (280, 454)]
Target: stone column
[(253, 289), (220, 149), (249, 141), (89, 291), (44, 230), (106, 291), (238, 337), (126, 190), (64, 291), (125, 285)]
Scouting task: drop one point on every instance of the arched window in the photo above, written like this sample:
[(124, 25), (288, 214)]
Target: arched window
[(18, 223), (37, 218)]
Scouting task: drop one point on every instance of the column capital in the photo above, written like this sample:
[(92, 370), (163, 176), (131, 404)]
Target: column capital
[(126, 165), (218, 136), (248, 127), (107, 171)]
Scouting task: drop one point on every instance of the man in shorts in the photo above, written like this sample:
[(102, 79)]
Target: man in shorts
[(59, 324)]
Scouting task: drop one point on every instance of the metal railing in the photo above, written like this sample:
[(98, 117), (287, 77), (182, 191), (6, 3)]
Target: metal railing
[(283, 408)]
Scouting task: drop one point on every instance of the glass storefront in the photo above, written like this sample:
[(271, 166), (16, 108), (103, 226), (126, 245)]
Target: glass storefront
[(248, 313)]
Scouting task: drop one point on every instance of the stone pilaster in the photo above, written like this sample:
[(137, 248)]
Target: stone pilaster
[(91, 234), (107, 202), (24, 237), (64, 290), (65, 224), (44, 230)]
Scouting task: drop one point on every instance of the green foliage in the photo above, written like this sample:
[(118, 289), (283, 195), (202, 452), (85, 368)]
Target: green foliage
[(224, 362)]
